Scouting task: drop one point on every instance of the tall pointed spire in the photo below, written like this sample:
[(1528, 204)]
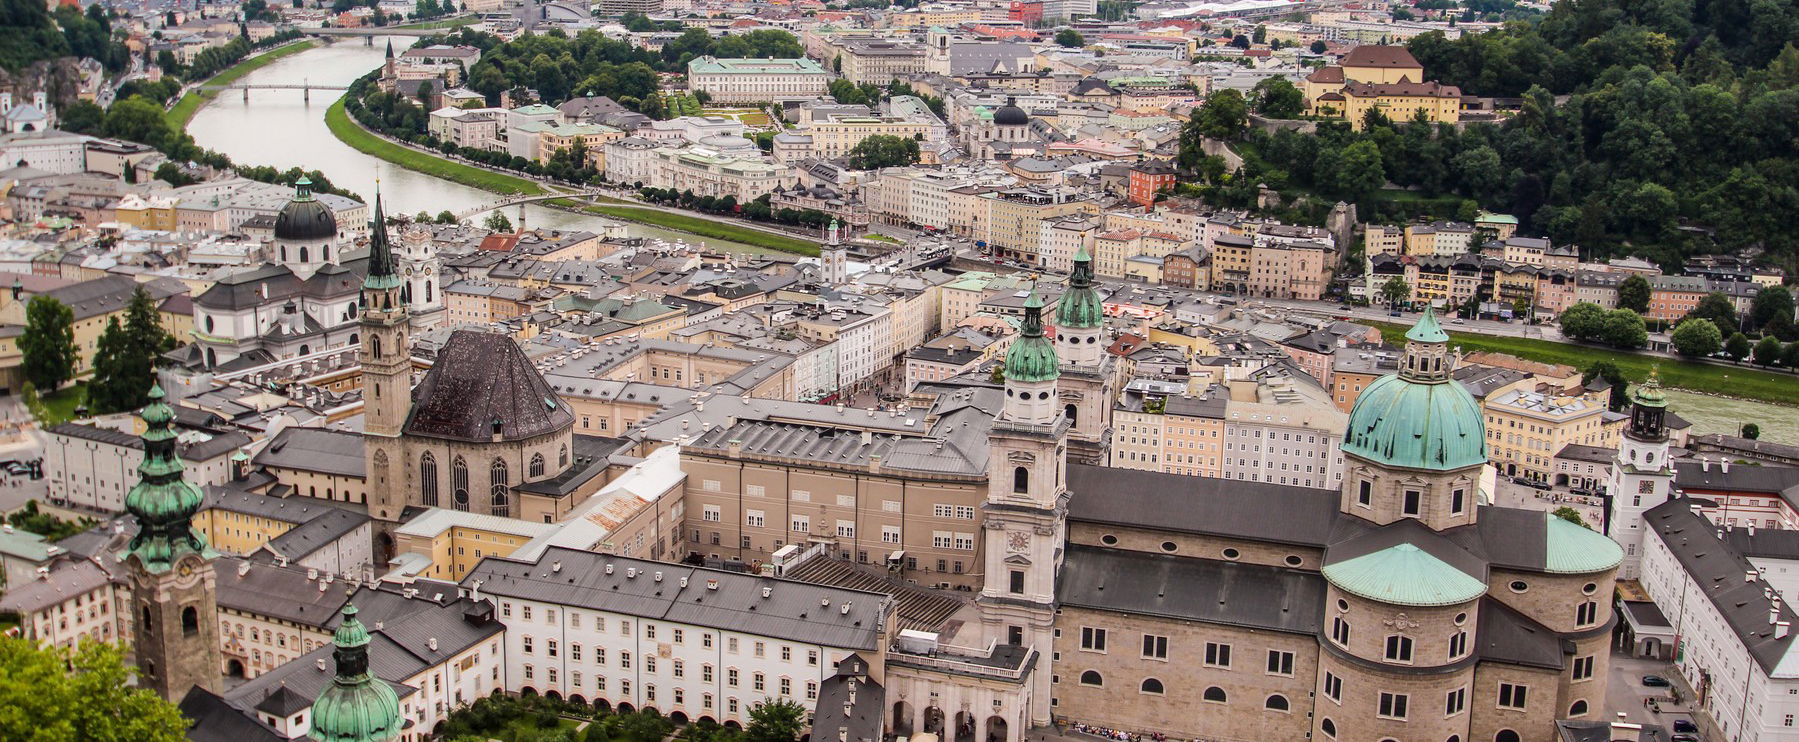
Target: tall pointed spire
[(1080, 307), (357, 706), (163, 503), (381, 254), (1032, 357)]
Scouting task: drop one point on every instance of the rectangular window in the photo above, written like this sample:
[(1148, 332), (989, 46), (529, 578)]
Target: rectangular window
[(1155, 647), (846, 529), (1333, 687), (1458, 501), (1399, 648), (1016, 585), (1218, 655), (1093, 639), (731, 677), (624, 660), (1364, 494), (1392, 705), (1413, 504), (1455, 701), (753, 518), (710, 513), (1280, 663), (1512, 696), (1583, 668), (802, 524)]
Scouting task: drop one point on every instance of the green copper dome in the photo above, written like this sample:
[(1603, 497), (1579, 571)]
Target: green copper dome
[(163, 503), (1080, 307), (1404, 574), (1418, 418), (1571, 549), (1032, 356), (357, 706), (1649, 393)]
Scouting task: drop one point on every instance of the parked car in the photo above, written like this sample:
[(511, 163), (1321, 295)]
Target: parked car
[(1686, 725), (1655, 681), (17, 469), (1684, 738)]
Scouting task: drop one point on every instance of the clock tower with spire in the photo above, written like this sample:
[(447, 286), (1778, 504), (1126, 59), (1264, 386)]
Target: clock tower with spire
[(386, 374), (173, 589)]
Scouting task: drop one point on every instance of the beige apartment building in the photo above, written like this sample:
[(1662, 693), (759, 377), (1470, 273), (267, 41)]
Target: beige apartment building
[(1528, 424), (836, 137), (1015, 220), (757, 80), (708, 172), (878, 61)]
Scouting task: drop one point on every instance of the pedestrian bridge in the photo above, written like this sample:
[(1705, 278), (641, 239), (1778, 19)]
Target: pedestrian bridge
[(526, 198)]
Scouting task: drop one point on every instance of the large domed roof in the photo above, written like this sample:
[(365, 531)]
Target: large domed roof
[(304, 217), (1419, 418), (1011, 115)]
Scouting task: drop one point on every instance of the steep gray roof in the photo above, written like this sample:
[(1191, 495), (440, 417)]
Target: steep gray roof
[(315, 449), (1236, 594), (1711, 563), (481, 385), (792, 611), (1223, 507)]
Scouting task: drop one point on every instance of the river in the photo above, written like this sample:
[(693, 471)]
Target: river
[(280, 128)]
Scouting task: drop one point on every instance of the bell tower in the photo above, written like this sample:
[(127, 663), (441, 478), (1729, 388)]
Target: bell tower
[(173, 588), (386, 373), (1027, 503), (1642, 477), (1088, 371), (833, 259)]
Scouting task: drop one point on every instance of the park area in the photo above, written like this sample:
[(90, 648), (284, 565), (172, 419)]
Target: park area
[(534, 718)]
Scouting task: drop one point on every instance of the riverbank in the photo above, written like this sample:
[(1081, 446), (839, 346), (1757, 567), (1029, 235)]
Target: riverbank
[(1739, 382), (706, 228), (183, 111), (352, 132), (348, 131)]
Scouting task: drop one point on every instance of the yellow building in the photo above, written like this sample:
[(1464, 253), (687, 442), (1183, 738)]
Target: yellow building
[(94, 302), (1529, 423), (1015, 219), (593, 136), (1384, 78), (1399, 101), (445, 544), (154, 212)]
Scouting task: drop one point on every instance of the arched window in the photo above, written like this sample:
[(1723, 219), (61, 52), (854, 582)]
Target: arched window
[(562, 456), (428, 293), (375, 347), (190, 621), (1506, 735), (284, 253), (1151, 685), (209, 323), (380, 462), (428, 479), (537, 465), (1021, 480), (496, 478), (459, 483), (1091, 677), (1578, 709), (1328, 727), (325, 253), (1276, 702), (1069, 412), (303, 255), (1586, 614), (1214, 694)]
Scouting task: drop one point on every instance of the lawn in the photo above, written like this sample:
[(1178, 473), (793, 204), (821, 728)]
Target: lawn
[(1740, 382), (184, 109), (878, 237), (707, 228), (57, 407), (349, 132), (467, 20)]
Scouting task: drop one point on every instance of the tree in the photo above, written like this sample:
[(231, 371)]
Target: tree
[(1752, 431), (1582, 321), (1395, 291), (1360, 171), (1696, 337), (1224, 116), (642, 727), (1622, 328), (1789, 356), (1276, 97), (1633, 294), (48, 343), (883, 150), (1620, 394), (125, 358), (497, 222), (778, 720), (1572, 516), (1261, 34), (55, 694), (1767, 351), (1240, 41), (1771, 302), (1070, 38), (445, 217), (1718, 308), (1319, 47), (1737, 347)]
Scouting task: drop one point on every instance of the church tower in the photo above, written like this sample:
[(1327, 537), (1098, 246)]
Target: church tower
[(1027, 503), (356, 706), (417, 264), (1642, 477), (1088, 371), (386, 373), (173, 588), (833, 260)]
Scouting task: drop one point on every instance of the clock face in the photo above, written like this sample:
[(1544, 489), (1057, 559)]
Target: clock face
[(1018, 541), (186, 569)]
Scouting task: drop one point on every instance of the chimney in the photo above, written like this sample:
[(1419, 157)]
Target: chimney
[(1705, 463), (243, 568), (630, 573), (658, 575), (1749, 575), (555, 567), (1782, 628), (767, 591), (432, 643), (1624, 731), (608, 569), (474, 592), (1724, 466), (712, 584)]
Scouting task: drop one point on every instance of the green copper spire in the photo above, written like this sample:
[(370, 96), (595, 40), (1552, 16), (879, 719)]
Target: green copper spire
[(303, 189), (357, 706), (381, 255), (1427, 330), (163, 503), (1649, 393), (1032, 357), (1080, 308)]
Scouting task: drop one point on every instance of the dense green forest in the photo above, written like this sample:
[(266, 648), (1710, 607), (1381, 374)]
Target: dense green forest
[(1659, 128), (30, 33)]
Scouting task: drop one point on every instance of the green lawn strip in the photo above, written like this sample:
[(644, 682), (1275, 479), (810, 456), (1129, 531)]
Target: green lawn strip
[(367, 142), (57, 407), (1741, 382), (190, 104), (707, 228), (443, 23), (878, 237)]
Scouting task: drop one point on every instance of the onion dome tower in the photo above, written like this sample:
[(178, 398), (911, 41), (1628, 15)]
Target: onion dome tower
[(170, 568), (1031, 370), (305, 232), (1088, 373), (357, 706)]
